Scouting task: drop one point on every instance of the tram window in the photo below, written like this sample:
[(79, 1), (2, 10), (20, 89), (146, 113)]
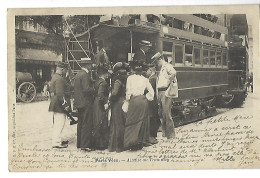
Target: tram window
[(188, 60), (178, 24), (178, 54), (224, 59), (218, 35), (196, 56), (187, 26), (188, 49), (188, 55), (205, 57), (167, 46), (168, 57), (218, 59), (212, 58), (205, 31), (167, 50), (197, 29)]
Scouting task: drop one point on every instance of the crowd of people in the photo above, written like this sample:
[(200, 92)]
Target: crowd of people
[(122, 109)]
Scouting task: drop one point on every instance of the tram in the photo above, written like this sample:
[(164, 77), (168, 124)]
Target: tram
[(209, 73)]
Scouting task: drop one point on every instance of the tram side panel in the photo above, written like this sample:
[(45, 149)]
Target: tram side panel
[(197, 83)]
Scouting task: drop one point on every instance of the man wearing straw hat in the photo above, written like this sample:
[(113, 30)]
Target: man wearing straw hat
[(140, 55), (166, 87)]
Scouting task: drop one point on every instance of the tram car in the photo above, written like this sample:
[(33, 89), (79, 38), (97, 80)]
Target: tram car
[(209, 73)]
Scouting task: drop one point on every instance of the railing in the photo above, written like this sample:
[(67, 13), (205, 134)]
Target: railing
[(182, 34)]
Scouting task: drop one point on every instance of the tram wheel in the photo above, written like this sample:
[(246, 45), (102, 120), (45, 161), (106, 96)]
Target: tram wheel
[(230, 100)]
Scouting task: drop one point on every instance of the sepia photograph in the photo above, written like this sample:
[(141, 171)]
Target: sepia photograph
[(139, 88)]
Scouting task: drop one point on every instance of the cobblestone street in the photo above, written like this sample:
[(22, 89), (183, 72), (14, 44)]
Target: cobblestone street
[(213, 138)]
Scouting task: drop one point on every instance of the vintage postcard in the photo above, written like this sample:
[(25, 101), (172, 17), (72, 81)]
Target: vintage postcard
[(133, 88)]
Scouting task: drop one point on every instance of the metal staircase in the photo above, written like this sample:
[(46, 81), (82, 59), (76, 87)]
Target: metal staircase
[(77, 52)]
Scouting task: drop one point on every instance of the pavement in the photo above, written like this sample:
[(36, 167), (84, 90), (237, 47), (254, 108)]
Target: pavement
[(221, 141)]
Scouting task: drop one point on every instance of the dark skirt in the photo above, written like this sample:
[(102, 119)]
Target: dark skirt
[(154, 118), (117, 126), (100, 126), (136, 126)]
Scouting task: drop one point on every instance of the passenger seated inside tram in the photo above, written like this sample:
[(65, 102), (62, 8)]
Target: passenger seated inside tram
[(133, 18), (218, 62), (188, 61), (153, 18)]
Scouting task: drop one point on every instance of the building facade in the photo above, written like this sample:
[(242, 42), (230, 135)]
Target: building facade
[(37, 51)]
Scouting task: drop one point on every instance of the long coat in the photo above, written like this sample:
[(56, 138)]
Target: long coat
[(140, 57), (83, 90), (100, 119), (83, 96), (60, 90), (118, 117)]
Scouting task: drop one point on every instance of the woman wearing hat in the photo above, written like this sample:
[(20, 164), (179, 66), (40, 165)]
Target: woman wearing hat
[(137, 115), (100, 119), (117, 122)]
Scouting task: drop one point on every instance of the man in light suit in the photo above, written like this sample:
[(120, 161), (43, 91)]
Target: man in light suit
[(166, 77)]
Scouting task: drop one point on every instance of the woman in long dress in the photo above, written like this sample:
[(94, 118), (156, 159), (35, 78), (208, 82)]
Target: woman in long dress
[(100, 119), (137, 115), (117, 122)]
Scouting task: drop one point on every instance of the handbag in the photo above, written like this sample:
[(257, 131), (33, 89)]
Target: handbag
[(172, 91), (125, 106)]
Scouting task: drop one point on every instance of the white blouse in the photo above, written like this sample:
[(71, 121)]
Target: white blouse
[(136, 85)]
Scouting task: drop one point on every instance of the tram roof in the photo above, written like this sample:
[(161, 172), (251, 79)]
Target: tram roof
[(104, 31)]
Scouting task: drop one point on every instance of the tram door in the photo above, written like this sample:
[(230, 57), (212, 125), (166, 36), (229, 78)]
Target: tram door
[(152, 37)]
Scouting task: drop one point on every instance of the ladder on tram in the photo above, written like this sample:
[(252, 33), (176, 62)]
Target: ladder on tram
[(77, 52)]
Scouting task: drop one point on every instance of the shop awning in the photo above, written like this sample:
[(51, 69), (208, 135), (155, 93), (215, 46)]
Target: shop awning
[(25, 55)]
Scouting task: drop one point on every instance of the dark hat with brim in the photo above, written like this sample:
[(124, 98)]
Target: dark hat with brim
[(62, 65), (145, 43)]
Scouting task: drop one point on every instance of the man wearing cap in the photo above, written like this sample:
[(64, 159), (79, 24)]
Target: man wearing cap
[(60, 94), (140, 55), (166, 76), (83, 101)]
